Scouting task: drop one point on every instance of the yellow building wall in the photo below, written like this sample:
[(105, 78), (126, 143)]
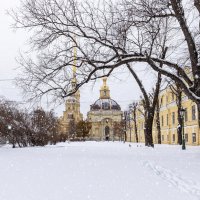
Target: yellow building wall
[(169, 126)]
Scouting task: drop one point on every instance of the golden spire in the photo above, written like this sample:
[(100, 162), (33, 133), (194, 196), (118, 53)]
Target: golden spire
[(74, 66), (74, 81), (104, 81)]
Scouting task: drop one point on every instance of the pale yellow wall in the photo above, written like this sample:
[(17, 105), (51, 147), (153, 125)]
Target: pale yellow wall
[(98, 119), (169, 131), (140, 127)]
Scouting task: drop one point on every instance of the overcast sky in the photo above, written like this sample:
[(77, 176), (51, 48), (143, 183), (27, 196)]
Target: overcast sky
[(123, 87)]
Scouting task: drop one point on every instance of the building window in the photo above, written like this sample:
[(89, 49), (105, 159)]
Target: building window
[(173, 137), (162, 120), (161, 101), (173, 118), (167, 137), (186, 115), (193, 112), (194, 139), (96, 131), (105, 105), (172, 96), (70, 116), (163, 138), (186, 137), (167, 119)]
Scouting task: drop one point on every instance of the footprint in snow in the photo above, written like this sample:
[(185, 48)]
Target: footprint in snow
[(183, 184)]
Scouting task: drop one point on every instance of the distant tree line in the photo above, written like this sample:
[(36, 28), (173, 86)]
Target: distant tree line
[(22, 128), (119, 130)]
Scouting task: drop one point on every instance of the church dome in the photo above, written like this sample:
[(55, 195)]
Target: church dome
[(105, 104)]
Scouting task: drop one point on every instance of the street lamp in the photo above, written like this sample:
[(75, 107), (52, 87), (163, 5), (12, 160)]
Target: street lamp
[(125, 125), (10, 132), (9, 127), (182, 113)]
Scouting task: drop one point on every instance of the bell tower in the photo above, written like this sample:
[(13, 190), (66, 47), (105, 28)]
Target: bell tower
[(104, 91), (72, 104)]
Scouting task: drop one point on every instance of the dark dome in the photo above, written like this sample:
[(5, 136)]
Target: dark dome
[(105, 104)]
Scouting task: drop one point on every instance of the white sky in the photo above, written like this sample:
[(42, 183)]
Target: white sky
[(123, 88)]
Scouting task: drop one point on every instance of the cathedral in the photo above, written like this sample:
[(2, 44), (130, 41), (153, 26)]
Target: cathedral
[(102, 115)]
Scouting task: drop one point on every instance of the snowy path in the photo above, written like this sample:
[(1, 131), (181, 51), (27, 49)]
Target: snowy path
[(189, 186), (100, 171)]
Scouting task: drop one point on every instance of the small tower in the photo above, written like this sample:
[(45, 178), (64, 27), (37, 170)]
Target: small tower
[(104, 91)]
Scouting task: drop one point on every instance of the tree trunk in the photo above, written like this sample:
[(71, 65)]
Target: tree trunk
[(198, 114), (136, 133), (13, 142), (148, 129), (135, 124), (125, 137), (197, 5), (158, 123)]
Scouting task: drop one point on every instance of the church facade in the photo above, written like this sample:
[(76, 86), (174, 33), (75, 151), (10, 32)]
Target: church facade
[(103, 114)]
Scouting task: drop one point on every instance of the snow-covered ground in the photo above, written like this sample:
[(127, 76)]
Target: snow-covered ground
[(100, 171)]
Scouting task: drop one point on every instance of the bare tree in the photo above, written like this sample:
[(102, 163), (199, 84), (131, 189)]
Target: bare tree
[(149, 103), (134, 108), (21, 128), (12, 123), (72, 131), (118, 130), (83, 129)]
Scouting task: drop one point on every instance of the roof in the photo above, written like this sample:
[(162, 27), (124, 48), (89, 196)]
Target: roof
[(105, 104)]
